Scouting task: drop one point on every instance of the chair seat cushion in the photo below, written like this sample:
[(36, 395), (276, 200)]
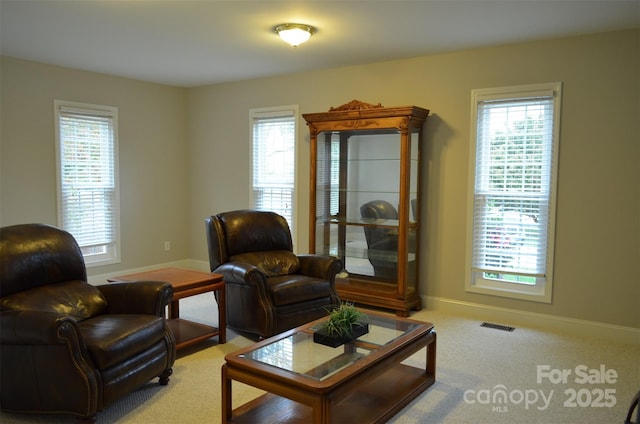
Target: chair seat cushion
[(272, 263), (290, 289), (111, 339)]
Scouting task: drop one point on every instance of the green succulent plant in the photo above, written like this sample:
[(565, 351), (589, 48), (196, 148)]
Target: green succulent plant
[(343, 319)]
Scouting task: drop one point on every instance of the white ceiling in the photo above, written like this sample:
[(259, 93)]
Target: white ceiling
[(190, 43)]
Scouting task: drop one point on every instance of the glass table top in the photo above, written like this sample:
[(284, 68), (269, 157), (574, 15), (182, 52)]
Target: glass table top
[(298, 353)]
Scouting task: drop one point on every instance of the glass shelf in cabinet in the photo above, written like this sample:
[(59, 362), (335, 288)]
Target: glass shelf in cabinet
[(358, 222)]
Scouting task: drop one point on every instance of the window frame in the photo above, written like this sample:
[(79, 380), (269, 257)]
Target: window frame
[(289, 111), (475, 281), (112, 255)]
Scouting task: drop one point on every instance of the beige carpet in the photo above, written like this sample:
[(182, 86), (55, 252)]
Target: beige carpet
[(474, 363)]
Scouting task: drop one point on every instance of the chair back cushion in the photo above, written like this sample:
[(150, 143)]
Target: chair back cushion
[(76, 298), (34, 255), (245, 231), (378, 209), (272, 263)]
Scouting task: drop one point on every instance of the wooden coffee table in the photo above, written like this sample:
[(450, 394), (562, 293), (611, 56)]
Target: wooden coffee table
[(361, 382), (185, 283)]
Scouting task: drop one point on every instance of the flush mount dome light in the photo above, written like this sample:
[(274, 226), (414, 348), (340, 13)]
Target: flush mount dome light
[(294, 34)]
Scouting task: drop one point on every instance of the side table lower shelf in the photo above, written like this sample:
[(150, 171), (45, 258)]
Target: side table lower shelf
[(188, 332)]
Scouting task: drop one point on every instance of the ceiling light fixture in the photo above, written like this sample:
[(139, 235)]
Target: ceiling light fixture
[(294, 34)]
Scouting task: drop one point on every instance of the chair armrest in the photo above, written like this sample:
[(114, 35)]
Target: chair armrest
[(137, 297), (320, 266), (41, 350), (242, 273), (25, 327)]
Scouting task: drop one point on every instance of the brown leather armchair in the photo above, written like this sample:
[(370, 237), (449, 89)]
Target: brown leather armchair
[(269, 289), (382, 242), (67, 346)]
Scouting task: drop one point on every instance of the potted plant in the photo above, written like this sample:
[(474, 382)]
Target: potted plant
[(345, 323)]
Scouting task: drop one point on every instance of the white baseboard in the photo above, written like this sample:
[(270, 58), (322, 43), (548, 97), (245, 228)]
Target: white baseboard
[(513, 318)]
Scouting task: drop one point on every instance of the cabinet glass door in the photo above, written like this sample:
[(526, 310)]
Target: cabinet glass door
[(357, 190)]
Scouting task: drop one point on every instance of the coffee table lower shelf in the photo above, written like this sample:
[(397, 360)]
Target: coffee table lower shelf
[(375, 402)]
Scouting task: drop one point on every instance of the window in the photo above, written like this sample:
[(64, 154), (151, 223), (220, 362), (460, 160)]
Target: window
[(88, 201), (273, 160), (514, 142)]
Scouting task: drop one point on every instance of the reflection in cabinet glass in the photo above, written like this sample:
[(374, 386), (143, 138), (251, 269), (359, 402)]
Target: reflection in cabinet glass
[(365, 185)]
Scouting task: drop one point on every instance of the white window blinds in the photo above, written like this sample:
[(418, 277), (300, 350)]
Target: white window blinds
[(512, 185), (87, 179), (273, 161), (513, 214)]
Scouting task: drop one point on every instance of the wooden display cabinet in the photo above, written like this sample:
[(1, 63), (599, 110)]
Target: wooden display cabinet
[(365, 185)]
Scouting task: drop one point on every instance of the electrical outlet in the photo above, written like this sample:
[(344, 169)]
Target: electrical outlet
[(167, 246)]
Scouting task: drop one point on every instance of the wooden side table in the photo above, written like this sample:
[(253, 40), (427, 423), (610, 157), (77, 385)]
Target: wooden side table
[(185, 283)]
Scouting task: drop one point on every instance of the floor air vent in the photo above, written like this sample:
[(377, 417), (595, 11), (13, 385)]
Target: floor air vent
[(497, 326)]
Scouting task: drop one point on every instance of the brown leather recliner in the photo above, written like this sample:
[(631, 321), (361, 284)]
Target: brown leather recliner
[(67, 346), (382, 243), (269, 289)]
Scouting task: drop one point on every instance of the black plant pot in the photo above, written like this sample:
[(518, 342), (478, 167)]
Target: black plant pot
[(321, 337)]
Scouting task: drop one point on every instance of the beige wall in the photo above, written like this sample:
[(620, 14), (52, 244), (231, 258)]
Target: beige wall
[(184, 154), (598, 220), (153, 155)]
